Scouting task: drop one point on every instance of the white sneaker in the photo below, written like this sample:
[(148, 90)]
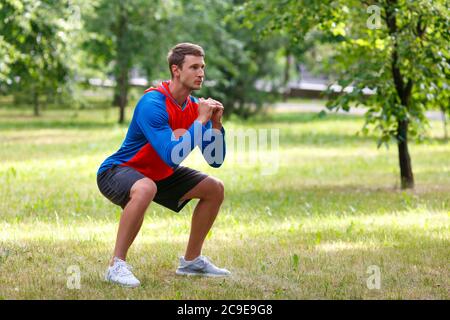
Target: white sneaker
[(120, 273), (200, 266)]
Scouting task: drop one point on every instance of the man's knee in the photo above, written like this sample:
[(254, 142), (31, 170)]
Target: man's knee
[(144, 189), (217, 188)]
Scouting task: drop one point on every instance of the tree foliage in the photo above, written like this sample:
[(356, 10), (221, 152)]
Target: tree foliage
[(399, 49), (48, 45), (238, 64), (35, 44), (122, 34)]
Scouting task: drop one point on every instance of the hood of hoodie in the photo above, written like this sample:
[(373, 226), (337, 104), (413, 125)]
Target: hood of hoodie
[(164, 89)]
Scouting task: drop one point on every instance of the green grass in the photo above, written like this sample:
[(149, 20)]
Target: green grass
[(310, 231)]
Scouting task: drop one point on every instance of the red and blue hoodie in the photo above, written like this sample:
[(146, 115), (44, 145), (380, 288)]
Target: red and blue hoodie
[(162, 134)]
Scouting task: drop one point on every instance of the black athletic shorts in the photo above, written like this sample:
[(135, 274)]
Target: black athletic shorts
[(115, 184)]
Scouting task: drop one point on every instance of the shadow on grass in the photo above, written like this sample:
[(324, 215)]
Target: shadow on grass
[(334, 201), (323, 139), (295, 117), (58, 124), (413, 265), (274, 205), (61, 119)]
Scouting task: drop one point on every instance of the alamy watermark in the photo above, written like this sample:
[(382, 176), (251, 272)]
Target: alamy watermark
[(374, 21), (255, 148), (258, 148), (74, 277), (374, 280)]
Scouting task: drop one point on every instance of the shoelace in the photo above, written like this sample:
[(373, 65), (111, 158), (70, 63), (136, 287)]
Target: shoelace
[(123, 269), (205, 261)]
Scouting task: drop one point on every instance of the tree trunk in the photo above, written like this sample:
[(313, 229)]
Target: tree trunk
[(122, 67), (116, 98), (406, 174), (123, 94), (403, 88), (287, 68), (36, 102), (444, 123)]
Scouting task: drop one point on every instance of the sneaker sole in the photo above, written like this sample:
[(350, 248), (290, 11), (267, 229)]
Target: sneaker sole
[(191, 274), (123, 284)]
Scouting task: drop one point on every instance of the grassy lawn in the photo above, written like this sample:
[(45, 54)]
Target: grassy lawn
[(312, 230)]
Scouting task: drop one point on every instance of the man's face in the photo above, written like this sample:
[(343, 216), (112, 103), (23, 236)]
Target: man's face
[(192, 73)]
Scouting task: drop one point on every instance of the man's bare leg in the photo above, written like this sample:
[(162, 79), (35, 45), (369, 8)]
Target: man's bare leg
[(141, 194), (210, 191)]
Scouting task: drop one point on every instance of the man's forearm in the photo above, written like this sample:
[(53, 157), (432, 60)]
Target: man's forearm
[(217, 125)]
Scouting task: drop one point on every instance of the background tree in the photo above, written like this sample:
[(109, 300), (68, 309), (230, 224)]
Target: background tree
[(242, 71), (35, 46), (120, 35), (399, 57)]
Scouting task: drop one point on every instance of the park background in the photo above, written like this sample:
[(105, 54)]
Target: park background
[(358, 92)]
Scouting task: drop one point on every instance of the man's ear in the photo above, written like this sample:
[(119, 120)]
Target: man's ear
[(175, 70)]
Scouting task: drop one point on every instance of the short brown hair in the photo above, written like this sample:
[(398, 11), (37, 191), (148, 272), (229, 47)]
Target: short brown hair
[(176, 54)]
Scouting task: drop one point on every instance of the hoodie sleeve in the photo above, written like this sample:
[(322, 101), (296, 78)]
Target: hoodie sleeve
[(153, 120), (213, 145)]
